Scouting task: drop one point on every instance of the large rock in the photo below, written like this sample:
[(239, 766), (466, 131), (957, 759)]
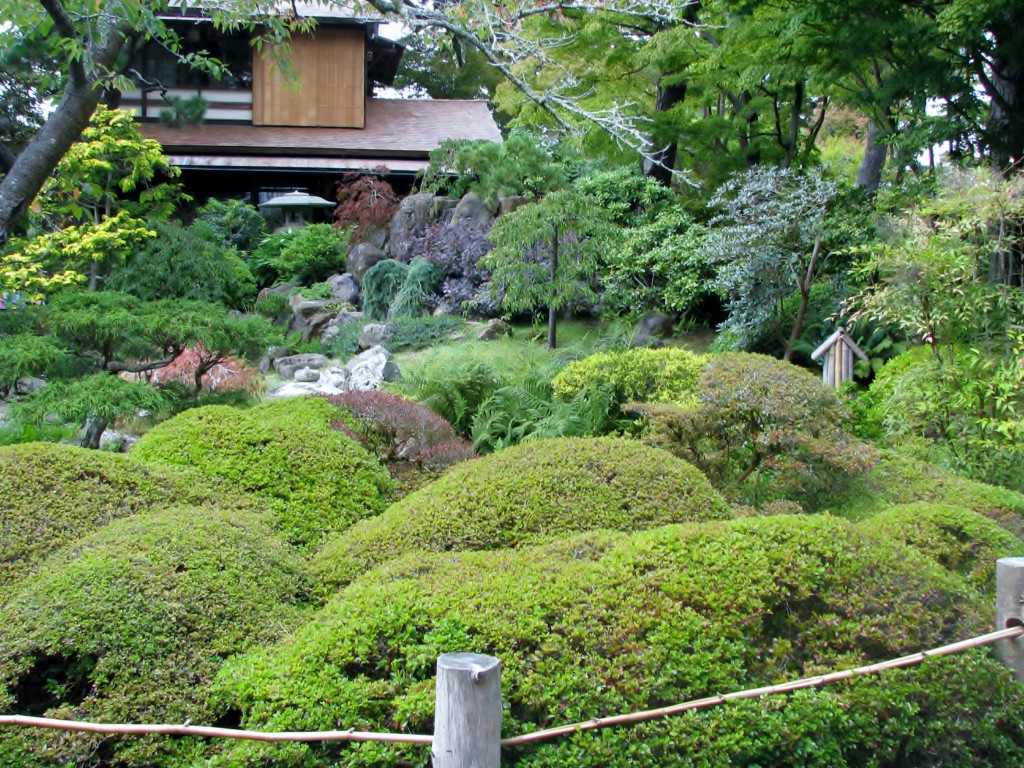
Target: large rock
[(651, 329), (287, 366), (494, 329), (307, 375), (344, 288), (310, 317), (284, 289), (369, 369), (441, 210), (361, 258), (409, 222), (511, 203), (341, 319), (273, 353), (472, 212), (375, 334)]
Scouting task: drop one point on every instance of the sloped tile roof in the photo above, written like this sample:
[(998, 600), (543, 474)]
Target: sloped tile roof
[(394, 128)]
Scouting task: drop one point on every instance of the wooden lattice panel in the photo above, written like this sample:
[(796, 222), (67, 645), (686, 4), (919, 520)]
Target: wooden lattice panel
[(329, 70)]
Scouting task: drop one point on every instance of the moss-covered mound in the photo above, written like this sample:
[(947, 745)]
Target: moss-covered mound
[(537, 489), (53, 494), (899, 479), (958, 539), (132, 624), (315, 479), (608, 623)]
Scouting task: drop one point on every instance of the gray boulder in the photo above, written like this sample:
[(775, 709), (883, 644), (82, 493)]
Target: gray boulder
[(341, 319), (511, 203), (369, 369), (344, 288), (307, 375), (494, 329), (287, 366), (651, 329), (361, 258), (409, 222), (310, 317), (472, 212), (375, 334), (441, 209), (273, 353)]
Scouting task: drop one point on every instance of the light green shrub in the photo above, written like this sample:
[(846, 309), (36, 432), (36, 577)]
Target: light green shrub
[(537, 489), (961, 540), (608, 623), (762, 430), (51, 495), (641, 375), (313, 478), (131, 625)]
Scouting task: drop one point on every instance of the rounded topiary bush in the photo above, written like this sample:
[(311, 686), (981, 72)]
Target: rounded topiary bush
[(959, 539), (607, 623), (535, 489), (900, 479), (52, 494), (315, 479), (667, 374), (132, 624)]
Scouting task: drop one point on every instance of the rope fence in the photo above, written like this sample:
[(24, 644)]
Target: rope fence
[(352, 735)]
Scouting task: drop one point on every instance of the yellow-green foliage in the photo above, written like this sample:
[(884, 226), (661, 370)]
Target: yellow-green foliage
[(53, 494), (315, 479), (536, 489), (898, 479), (958, 539), (605, 623), (641, 375), (132, 623)]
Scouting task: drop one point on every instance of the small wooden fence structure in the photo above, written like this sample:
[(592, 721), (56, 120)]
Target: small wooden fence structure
[(467, 722)]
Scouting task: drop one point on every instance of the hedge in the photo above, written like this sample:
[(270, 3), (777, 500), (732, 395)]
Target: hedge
[(542, 488), (607, 623), (314, 479), (52, 494), (132, 624)]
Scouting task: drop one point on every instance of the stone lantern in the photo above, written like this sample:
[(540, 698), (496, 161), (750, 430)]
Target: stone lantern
[(295, 206)]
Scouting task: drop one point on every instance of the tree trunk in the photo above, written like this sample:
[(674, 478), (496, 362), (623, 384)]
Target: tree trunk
[(805, 299), (94, 429), (664, 159), (552, 310), (869, 174), (1005, 88), (81, 96)]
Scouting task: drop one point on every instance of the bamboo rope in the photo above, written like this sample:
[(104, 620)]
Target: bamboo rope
[(602, 722), (223, 733), (753, 693)]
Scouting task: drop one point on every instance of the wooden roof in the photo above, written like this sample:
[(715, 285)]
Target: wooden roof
[(394, 128)]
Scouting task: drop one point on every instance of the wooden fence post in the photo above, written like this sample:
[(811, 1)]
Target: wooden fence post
[(1009, 611), (467, 715)]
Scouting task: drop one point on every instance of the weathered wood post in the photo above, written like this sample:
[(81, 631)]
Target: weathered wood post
[(1009, 611), (467, 715)]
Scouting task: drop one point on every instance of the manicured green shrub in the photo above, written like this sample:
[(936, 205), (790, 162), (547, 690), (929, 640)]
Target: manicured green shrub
[(608, 623), (900, 479), (537, 489), (959, 539), (313, 478), (312, 254), (51, 495), (643, 375), (131, 625), (762, 429)]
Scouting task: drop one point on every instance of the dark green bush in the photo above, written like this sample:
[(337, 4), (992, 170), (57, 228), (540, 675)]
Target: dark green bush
[(762, 430), (313, 478), (381, 285), (961, 540), (609, 623), (643, 375), (236, 222), (186, 263), (51, 495), (537, 489), (132, 624), (420, 284)]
